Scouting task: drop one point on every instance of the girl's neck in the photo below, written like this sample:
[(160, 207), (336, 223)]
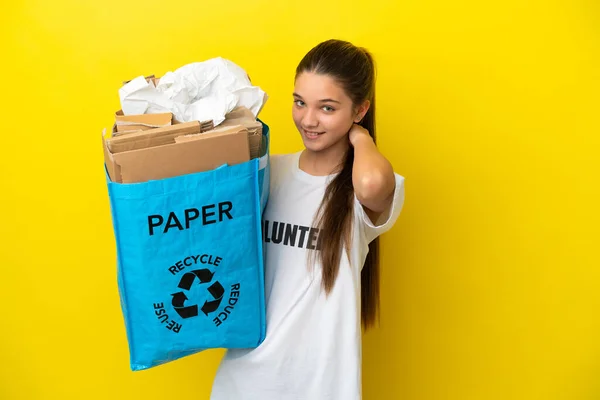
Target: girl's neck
[(326, 161)]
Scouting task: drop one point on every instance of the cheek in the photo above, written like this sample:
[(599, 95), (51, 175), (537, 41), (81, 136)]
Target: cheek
[(338, 123), (296, 115)]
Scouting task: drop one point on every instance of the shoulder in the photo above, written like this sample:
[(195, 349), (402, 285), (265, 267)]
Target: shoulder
[(283, 162), (281, 167), (281, 159)]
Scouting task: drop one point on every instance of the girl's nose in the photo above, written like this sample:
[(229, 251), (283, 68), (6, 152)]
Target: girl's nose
[(310, 119)]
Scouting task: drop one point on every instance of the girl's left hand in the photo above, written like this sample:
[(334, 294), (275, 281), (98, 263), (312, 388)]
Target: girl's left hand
[(357, 133)]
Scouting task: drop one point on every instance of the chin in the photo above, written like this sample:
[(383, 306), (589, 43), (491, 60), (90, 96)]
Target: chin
[(315, 145), (324, 142)]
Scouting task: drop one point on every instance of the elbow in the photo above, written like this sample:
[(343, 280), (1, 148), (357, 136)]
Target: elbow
[(371, 187)]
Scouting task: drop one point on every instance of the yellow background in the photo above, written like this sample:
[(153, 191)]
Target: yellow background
[(490, 109)]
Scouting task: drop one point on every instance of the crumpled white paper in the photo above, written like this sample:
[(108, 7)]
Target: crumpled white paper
[(198, 91)]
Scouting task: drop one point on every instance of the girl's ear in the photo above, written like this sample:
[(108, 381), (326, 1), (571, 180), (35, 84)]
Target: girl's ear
[(361, 111)]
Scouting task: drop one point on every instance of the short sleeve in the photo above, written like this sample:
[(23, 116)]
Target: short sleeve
[(387, 219)]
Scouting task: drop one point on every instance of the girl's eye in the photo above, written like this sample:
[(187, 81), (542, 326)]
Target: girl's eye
[(299, 103), (328, 109)]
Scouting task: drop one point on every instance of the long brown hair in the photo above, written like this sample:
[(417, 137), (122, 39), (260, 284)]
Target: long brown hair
[(353, 68)]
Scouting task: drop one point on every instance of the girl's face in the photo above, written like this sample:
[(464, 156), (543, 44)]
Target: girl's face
[(322, 111)]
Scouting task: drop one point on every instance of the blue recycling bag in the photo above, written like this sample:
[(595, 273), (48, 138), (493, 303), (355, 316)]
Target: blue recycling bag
[(190, 260)]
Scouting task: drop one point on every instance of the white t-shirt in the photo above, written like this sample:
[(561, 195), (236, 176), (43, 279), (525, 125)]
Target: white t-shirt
[(312, 349)]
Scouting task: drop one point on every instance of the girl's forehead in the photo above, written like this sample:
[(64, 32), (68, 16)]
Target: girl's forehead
[(310, 85)]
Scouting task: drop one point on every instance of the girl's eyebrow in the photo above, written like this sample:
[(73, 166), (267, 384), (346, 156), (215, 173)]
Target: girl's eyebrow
[(321, 101)]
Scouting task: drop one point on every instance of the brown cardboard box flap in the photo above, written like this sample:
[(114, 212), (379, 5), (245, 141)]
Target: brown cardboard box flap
[(114, 172), (203, 154), (255, 143), (141, 121), (151, 137), (122, 129), (242, 116), (217, 131)]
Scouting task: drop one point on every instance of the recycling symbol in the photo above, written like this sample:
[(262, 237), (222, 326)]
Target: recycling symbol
[(179, 298)]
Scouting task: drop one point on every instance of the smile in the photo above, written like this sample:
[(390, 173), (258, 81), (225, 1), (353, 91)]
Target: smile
[(311, 134)]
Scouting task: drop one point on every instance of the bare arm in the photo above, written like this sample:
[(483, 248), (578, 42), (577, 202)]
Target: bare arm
[(372, 174)]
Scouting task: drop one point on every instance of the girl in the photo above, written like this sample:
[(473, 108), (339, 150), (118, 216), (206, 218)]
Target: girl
[(327, 206)]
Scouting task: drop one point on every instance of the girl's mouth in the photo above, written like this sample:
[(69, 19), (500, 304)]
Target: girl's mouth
[(311, 134)]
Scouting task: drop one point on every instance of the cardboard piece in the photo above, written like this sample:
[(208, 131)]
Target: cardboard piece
[(245, 117), (151, 137), (132, 123), (162, 147), (224, 130), (206, 125), (206, 152)]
